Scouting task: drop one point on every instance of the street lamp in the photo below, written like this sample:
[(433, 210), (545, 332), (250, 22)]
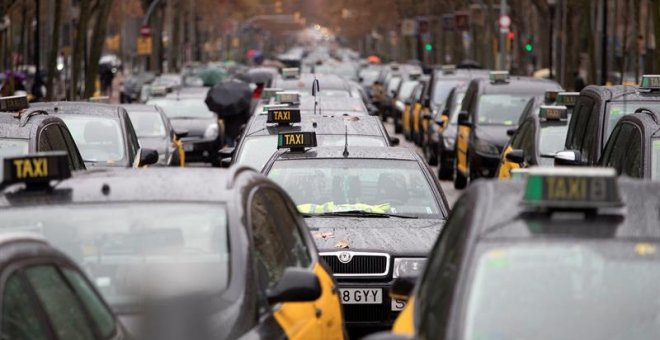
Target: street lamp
[(551, 7)]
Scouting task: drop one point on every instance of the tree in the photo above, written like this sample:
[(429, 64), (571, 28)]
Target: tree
[(96, 45), (54, 50), (79, 46)]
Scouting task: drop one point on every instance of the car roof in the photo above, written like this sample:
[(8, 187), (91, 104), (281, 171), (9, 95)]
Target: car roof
[(518, 85), (619, 93), (79, 108), (139, 108), (355, 152), (11, 127), (326, 81), (131, 185), (649, 121), (322, 125), (499, 205)]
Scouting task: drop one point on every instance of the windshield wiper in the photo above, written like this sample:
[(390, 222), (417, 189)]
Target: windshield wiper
[(358, 213)]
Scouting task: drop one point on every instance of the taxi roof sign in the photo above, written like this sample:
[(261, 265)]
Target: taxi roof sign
[(571, 188), (290, 73), (13, 103), (269, 92), (498, 77), (283, 115), (158, 91), (650, 82), (568, 99), (267, 107), (296, 141), (551, 96), (448, 69), (36, 170), (287, 97), (553, 112)]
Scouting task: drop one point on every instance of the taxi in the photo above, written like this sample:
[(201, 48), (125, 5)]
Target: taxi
[(536, 141), (441, 134), (25, 132), (597, 111), (103, 133), (154, 130), (373, 211), (489, 109), (45, 295), (633, 149), (255, 275), (403, 105), (549, 257)]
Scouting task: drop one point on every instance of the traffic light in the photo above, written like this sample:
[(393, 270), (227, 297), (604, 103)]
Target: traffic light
[(512, 35), (529, 48), (428, 47)]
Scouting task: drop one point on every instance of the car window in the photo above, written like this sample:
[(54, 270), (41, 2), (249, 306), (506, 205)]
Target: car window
[(619, 148), (286, 216), (588, 151), (655, 159), (552, 138), (632, 161), (501, 109), (528, 143), (20, 320), (437, 286), (74, 159), (519, 138), (147, 124), (60, 303), (100, 314), (98, 139), (616, 110), (578, 124)]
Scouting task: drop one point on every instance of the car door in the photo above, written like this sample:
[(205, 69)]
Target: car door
[(522, 137)]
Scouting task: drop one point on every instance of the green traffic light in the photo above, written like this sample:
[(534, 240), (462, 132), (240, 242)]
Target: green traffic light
[(529, 47), (428, 47)]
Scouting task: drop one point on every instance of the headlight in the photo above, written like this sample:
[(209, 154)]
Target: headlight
[(408, 266), (449, 142), (486, 148), (400, 105), (212, 131)]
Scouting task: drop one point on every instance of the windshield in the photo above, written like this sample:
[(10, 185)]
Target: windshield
[(594, 290), (655, 160), (129, 249), (552, 139), (407, 89), (372, 185), (183, 108), (616, 110), (369, 76), (501, 109), (458, 100), (441, 90), (257, 150), (98, 139), (147, 124)]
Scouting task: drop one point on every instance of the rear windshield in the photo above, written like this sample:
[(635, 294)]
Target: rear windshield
[(501, 109), (98, 139), (616, 110), (147, 124)]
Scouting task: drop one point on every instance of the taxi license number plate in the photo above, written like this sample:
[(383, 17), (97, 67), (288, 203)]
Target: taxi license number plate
[(188, 147), (361, 296), (398, 305)]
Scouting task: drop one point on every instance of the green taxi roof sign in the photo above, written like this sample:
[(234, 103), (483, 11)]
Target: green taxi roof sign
[(553, 112), (287, 97), (269, 92), (571, 188), (551, 96), (36, 170), (283, 115), (267, 107), (568, 99), (13, 103), (448, 69), (296, 141), (498, 77), (158, 91), (290, 73), (650, 82)]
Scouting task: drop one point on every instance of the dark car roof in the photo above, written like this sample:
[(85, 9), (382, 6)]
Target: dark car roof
[(10, 127), (79, 108), (619, 93), (322, 125), (130, 185), (356, 152), (649, 121), (519, 85), (499, 205)]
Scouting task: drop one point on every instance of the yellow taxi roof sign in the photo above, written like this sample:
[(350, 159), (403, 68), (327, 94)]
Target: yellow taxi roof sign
[(568, 99), (551, 96), (553, 112), (296, 141), (13, 103), (287, 97), (448, 69), (498, 77), (36, 169), (283, 115)]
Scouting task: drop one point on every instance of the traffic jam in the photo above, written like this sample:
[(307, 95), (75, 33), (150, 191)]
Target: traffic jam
[(323, 192)]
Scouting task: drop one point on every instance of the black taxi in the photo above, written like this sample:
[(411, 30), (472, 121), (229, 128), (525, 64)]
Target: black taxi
[(633, 149), (25, 132), (373, 212), (256, 269), (564, 254), (597, 111), (490, 108), (45, 295), (103, 133)]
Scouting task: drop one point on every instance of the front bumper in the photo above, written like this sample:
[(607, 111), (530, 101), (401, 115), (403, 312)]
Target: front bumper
[(483, 166), (201, 150)]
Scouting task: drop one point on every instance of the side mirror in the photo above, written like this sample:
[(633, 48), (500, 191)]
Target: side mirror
[(403, 287), (516, 156), (295, 285), (463, 119), (567, 158), (180, 133), (147, 157), (394, 141), (511, 132), (225, 162)]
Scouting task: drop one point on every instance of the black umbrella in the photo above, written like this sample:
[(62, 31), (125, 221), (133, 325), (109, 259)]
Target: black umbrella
[(229, 98), (469, 64)]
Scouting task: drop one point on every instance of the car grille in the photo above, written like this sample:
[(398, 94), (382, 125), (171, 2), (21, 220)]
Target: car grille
[(360, 264)]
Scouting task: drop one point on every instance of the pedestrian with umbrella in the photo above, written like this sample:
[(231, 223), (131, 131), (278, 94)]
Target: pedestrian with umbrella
[(230, 100)]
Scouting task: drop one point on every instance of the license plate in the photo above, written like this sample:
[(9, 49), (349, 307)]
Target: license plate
[(361, 296), (398, 305), (188, 147)]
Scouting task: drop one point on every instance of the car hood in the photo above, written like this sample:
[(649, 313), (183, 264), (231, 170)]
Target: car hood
[(195, 126), (494, 134), (390, 235)]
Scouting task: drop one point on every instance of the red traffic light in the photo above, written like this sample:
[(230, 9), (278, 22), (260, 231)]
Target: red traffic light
[(145, 31), (512, 35)]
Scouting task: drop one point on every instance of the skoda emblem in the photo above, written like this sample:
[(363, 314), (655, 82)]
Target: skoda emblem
[(345, 257)]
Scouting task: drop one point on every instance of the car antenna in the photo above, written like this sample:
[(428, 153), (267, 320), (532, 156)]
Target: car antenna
[(345, 154), (315, 90)]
